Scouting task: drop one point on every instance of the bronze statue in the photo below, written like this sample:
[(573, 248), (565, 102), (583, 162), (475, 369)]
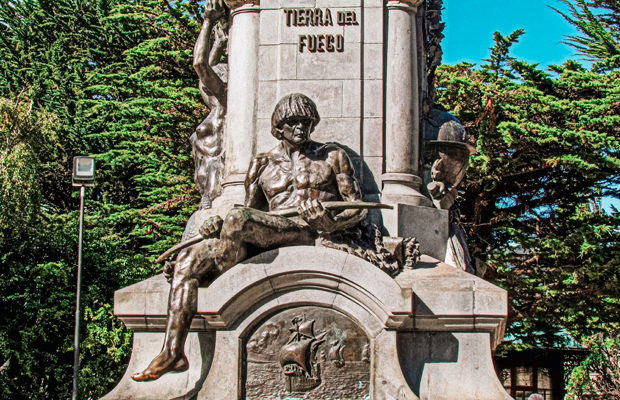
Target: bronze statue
[(447, 152), (207, 140), (298, 172)]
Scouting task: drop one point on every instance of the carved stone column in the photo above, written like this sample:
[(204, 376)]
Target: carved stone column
[(401, 183), (242, 100)]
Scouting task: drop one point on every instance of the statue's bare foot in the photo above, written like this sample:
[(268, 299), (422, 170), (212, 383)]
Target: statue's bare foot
[(162, 364)]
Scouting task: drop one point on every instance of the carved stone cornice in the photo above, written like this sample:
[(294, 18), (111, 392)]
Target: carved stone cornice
[(407, 5), (234, 5)]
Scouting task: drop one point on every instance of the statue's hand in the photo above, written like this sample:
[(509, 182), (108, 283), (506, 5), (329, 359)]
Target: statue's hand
[(438, 170), (168, 270), (437, 189), (211, 228), (221, 37), (313, 212), (214, 10)]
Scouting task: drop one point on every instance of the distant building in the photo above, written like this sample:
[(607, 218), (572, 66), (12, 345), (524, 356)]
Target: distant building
[(543, 371)]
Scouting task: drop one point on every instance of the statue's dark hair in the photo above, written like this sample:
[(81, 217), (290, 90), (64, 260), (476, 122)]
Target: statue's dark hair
[(293, 105)]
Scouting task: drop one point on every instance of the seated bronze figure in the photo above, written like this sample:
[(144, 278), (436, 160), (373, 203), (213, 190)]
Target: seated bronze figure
[(298, 172)]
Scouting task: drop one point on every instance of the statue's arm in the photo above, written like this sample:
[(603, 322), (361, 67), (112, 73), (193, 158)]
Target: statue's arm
[(219, 46), (313, 212), (254, 195), (211, 83), (350, 190)]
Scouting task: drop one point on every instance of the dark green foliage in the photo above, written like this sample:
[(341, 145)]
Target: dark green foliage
[(112, 79), (28, 137), (548, 151), (602, 364), (434, 53), (599, 24)]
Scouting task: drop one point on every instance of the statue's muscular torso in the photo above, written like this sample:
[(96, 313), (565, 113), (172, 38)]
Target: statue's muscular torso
[(324, 172)]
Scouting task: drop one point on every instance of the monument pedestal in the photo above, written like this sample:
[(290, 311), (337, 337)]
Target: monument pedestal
[(428, 334), (429, 226)]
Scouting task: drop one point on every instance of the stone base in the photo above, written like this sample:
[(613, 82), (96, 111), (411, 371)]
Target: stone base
[(199, 349), (449, 366), (403, 188), (428, 225), (428, 333)]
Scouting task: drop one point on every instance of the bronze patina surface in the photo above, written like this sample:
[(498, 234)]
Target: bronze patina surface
[(307, 353), (207, 141), (288, 212), (298, 172)]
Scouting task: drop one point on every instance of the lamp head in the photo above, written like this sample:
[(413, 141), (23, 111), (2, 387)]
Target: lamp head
[(83, 171)]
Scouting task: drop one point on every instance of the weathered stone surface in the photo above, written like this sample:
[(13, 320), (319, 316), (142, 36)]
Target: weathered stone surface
[(373, 140), (449, 299), (373, 30), (428, 225), (148, 297), (199, 349), (373, 98), (348, 133), (266, 141), (390, 382), (327, 94), (269, 93), (338, 3), (371, 170), (373, 60), (351, 94), (448, 366), (270, 29), (223, 381), (435, 303)]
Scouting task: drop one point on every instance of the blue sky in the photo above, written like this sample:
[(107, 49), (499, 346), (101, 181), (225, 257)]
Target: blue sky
[(470, 25)]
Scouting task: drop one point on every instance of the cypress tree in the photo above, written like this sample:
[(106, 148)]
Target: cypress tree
[(116, 80), (548, 152)]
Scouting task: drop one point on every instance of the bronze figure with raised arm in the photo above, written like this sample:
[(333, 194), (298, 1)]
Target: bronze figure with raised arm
[(207, 140), (298, 172)]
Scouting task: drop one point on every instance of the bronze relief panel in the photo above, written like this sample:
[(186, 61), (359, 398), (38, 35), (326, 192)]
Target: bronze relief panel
[(308, 353)]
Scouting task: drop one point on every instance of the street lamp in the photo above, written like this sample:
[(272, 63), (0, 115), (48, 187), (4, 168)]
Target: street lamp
[(83, 176)]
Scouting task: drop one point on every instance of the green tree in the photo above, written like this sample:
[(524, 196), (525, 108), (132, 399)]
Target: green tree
[(28, 137), (598, 21), (598, 376), (115, 80), (548, 151)]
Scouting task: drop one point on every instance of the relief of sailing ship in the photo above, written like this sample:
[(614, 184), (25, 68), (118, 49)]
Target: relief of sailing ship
[(366, 354), (336, 354), (298, 357)]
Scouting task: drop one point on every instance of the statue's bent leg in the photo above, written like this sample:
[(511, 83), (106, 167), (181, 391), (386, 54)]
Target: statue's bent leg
[(244, 226), (191, 267), (210, 258)]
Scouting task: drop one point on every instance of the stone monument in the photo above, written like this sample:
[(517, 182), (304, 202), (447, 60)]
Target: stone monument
[(343, 276)]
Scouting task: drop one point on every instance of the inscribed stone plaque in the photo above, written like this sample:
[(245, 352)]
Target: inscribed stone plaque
[(308, 353)]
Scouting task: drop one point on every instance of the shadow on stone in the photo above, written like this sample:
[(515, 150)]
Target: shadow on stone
[(268, 257), (416, 349), (207, 350), (427, 264)]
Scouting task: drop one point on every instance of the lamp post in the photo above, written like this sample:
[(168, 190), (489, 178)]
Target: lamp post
[(83, 176)]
